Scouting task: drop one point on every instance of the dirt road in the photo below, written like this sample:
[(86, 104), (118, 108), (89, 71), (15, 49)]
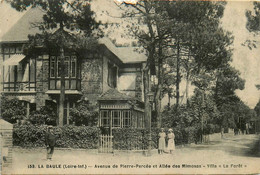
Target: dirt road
[(234, 154)]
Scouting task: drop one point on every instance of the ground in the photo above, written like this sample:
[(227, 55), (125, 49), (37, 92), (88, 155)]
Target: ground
[(230, 155)]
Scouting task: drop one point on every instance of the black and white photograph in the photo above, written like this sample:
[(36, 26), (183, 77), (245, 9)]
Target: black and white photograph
[(129, 87)]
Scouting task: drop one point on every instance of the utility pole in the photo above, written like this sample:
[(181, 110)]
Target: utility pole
[(62, 87), (202, 115)]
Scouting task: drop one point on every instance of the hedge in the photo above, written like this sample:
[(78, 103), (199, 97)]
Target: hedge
[(68, 136), (136, 139), (86, 137)]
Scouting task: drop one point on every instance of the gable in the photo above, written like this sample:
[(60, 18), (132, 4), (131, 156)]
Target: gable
[(24, 27)]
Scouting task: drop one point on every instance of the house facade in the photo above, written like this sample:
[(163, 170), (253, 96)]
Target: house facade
[(110, 76)]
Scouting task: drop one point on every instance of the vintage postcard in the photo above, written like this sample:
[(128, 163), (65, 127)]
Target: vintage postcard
[(129, 87)]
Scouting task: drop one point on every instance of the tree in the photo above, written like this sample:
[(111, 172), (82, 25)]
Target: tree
[(84, 114), (257, 109), (171, 34), (227, 81), (253, 18), (253, 25), (74, 16), (197, 48), (142, 15)]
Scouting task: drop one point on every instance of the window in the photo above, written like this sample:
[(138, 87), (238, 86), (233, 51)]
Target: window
[(69, 66), (119, 118), (58, 67), (12, 49), (70, 71), (52, 66), (112, 76), (73, 66), (6, 50), (140, 120), (104, 118), (126, 119), (116, 119), (20, 77)]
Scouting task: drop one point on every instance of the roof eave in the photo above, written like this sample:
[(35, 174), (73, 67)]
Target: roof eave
[(14, 42)]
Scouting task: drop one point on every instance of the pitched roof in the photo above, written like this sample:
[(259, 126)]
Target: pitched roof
[(24, 27), (125, 54), (4, 125), (131, 55), (113, 94), (20, 30)]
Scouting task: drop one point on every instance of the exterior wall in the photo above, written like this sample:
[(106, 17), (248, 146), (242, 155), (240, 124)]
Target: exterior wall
[(91, 76), (94, 76), (42, 73), (138, 86), (105, 74), (130, 82), (6, 131)]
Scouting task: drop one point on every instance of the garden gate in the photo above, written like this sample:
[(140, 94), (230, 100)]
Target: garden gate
[(105, 144)]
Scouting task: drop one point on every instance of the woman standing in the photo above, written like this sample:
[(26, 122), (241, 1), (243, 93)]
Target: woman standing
[(161, 145), (171, 143)]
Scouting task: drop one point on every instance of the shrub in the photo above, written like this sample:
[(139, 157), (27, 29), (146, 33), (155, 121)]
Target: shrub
[(46, 115), (137, 139), (130, 138), (84, 114), (12, 109), (68, 136)]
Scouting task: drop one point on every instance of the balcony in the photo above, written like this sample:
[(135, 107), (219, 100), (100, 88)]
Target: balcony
[(19, 87)]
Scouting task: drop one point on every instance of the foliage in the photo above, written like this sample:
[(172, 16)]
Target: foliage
[(253, 18), (189, 120), (130, 139), (227, 81), (12, 109), (184, 35), (46, 115), (84, 114), (137, 138), (73, 15), (257, 108), (68, 136), (72, 21), (76, 14)]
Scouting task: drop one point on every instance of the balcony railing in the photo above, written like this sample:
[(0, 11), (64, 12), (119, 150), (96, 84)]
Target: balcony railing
[(70, 83), (19, 86)]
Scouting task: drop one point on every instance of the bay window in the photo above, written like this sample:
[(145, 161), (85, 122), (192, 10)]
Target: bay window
[(71, 72), (120, 119)]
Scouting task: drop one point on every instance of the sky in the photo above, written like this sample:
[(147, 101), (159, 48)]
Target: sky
[(245, 60)]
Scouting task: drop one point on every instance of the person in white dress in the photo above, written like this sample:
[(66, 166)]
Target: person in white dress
[(171, 143), (161, 146)]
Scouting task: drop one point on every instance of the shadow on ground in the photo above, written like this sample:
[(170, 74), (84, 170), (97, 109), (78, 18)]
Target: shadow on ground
[(255, 149), (242, 145)]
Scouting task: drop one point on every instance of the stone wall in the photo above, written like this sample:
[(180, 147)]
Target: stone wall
[(42, 73), (92, 76), (6, 134), (138, 86)]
